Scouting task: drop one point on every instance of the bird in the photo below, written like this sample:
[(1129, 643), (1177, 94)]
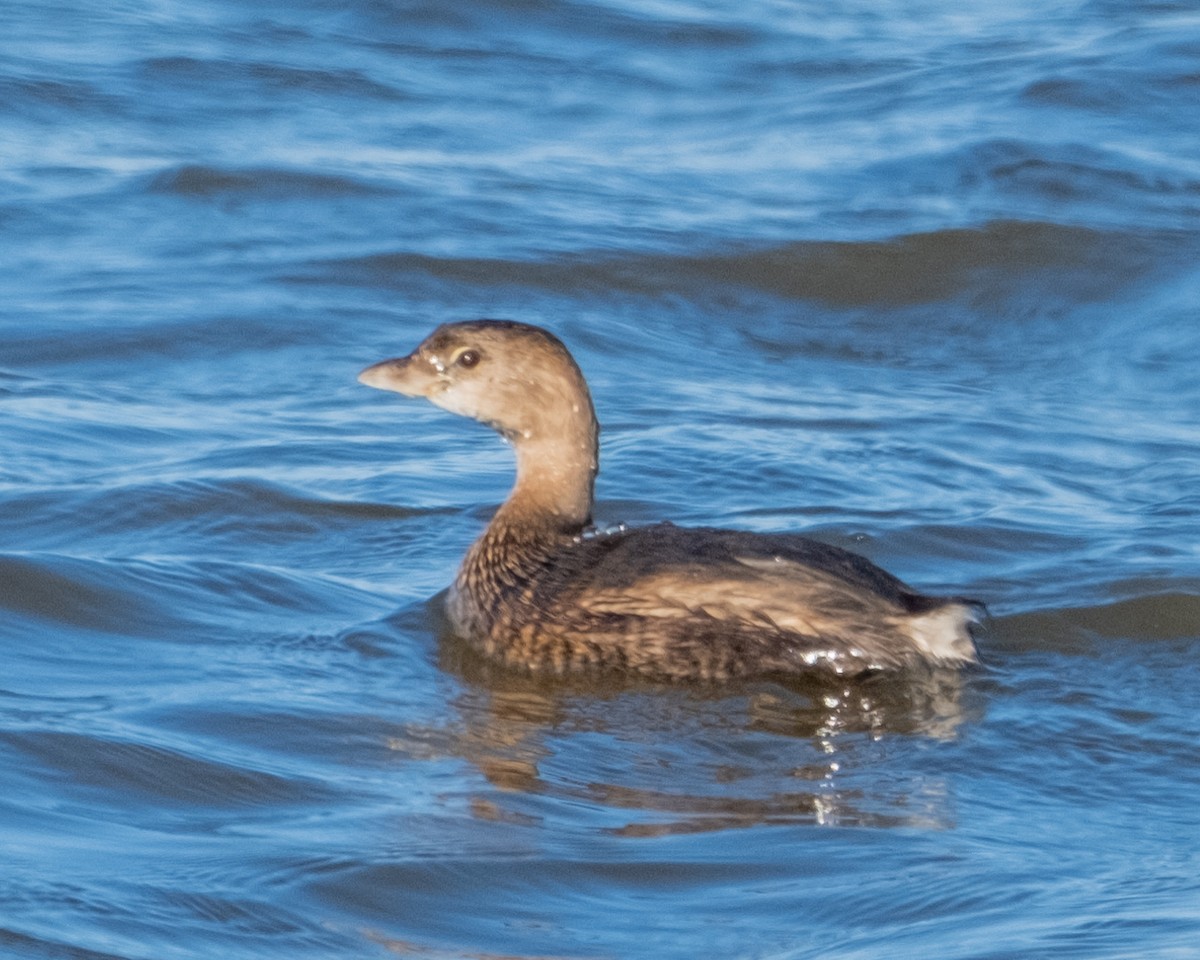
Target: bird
[(543, 591)]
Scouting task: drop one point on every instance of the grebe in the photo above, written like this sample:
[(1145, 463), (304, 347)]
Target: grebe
[(541, 591)]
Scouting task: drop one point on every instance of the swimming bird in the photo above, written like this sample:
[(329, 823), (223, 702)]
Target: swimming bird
[(542, 591)]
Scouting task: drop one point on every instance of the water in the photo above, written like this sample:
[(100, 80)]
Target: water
[(918, 278)]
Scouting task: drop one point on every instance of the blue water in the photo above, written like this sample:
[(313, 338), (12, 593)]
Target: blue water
[(919, 279)]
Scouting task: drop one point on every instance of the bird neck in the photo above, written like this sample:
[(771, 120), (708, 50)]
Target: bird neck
[(555, 482), (550, 504)]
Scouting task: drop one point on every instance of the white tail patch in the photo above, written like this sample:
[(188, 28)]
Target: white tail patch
[(944, 634)]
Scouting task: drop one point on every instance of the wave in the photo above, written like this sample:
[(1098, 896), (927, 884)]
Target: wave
[(195, 181), (1087, 182), (184, 72), (41, 97), (1152, 617), (89, 595), (246, 510), (168, 599), (157, 773), (1080, 263)]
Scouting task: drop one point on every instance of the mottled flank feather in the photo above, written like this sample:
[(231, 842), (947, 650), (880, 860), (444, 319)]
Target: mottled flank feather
[(674, 602)]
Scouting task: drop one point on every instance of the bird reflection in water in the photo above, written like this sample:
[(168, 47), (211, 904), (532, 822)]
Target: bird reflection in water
[(654, 759)]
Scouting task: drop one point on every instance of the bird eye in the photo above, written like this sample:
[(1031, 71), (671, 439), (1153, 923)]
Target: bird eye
[(468, 358)]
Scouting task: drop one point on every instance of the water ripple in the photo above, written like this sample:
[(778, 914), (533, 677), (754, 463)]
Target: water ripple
[(917, 279)]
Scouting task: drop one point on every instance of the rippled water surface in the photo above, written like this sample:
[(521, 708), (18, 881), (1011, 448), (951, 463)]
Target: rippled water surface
[(920, 279)]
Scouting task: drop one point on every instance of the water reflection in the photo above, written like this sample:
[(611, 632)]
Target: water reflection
[(653, 760)]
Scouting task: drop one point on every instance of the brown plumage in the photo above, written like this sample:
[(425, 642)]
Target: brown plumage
[(540, 591)]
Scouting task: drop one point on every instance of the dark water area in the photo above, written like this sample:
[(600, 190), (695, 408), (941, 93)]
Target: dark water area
[(918, 279)]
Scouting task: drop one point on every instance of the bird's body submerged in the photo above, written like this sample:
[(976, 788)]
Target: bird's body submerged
[(540, 591)]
